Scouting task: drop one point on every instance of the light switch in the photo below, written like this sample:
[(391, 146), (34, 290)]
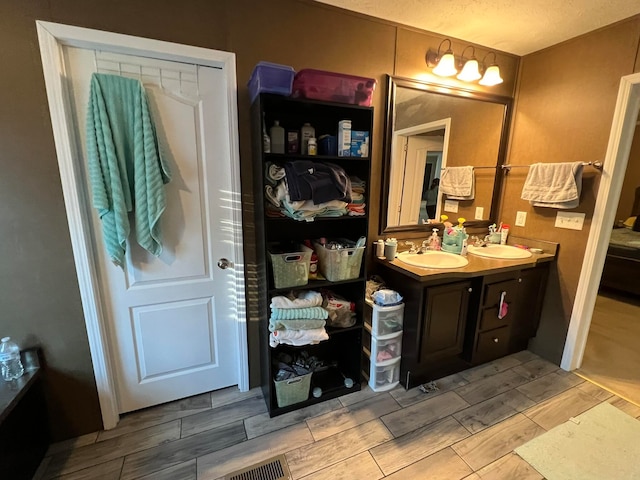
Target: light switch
[(451, 206), (570, 220), (521, 219), (479, 213)]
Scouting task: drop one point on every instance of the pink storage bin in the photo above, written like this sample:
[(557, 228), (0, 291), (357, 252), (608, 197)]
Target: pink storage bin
[(333, 87)]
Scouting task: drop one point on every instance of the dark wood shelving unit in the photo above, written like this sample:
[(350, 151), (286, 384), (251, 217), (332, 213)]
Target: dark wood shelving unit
[(343, 349)]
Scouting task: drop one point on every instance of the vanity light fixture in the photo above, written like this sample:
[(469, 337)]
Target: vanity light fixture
[(470, 70), (445, 65), (491, 75)]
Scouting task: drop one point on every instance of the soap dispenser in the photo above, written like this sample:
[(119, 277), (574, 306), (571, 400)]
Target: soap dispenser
[(434, 240)]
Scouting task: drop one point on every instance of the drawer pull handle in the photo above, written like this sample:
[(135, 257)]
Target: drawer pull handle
[(495, 340), (470, 290)]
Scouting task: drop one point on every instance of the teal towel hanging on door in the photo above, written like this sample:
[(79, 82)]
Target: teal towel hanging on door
[(126, 169)]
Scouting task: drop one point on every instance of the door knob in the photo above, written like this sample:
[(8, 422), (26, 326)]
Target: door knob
[(495, 340), (223, 263)]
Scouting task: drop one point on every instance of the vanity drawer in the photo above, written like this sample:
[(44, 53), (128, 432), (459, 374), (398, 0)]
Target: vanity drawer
[(489, 319), (492, 344), (493, 291)]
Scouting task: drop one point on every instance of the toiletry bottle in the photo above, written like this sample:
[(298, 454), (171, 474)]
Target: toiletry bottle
[(380, 248), (306, 132), (434, 240), (504, 232), (313, 262), (277, 138), (312, 148), (266, 140)]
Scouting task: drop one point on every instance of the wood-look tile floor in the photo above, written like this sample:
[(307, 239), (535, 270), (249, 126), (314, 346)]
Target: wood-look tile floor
[(468, 429)]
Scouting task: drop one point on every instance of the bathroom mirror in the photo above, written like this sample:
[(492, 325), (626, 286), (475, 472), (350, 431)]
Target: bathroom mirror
[(428, 128)]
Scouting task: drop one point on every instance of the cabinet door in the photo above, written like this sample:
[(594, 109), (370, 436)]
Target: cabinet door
[(444, 321), (531, 290)]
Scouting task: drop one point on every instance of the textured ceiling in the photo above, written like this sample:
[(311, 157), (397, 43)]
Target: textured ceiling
[(514, 26)]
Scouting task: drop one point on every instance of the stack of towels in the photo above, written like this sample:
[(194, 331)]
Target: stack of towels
[(357, 206), (297, 320)]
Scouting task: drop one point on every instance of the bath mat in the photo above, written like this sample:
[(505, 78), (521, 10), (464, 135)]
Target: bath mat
[(599, 444)]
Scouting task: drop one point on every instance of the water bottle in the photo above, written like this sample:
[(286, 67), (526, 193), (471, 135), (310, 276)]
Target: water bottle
[(10, 360)]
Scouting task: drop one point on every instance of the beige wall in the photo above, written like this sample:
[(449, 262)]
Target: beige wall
[(38, 287), (563, 112)]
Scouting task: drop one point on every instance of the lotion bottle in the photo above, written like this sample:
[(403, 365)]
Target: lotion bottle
[(434, 240), (504, 232)]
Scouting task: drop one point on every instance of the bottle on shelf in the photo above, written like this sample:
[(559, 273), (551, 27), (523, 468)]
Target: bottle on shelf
[(306, 132), (312, 147), (10, 360), (277, 138), (266, 140)]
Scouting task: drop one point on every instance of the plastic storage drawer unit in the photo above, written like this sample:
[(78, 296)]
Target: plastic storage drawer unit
[(290, 268), (270, 78), (333, 87), (386, 350), (384, 377), (339, 264), (384, 321)]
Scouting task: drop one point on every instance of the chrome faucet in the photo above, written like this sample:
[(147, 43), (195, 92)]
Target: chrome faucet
[(412, 246), (425, 246), (480, 243)]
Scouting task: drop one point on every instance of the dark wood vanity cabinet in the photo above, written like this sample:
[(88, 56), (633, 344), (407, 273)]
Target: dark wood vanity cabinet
[(451, 325)]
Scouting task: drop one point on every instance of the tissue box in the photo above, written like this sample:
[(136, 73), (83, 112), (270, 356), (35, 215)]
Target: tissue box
[(344, 138), (359, 144)]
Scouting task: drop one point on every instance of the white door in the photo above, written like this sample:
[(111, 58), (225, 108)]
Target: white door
[(170, 320)]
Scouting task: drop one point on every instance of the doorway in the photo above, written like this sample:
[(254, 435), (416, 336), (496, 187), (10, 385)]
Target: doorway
[(614, 167), (612, 357), (213, 320)]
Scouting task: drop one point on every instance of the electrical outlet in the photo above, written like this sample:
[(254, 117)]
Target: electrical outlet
[(570, 220), (451, 206), (479, 213), (521, 219)]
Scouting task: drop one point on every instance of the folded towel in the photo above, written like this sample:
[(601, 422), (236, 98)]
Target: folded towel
[(126, 169), (299, 313), (297, 337), (458, 183), (308, 298), (553, 185), (296, 324), (273, 173)]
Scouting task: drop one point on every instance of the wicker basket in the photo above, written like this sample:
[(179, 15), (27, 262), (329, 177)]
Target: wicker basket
[(293, 390)]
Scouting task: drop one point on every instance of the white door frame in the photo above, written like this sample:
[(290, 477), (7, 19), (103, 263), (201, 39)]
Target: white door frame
[(52, 37), (613, 171)]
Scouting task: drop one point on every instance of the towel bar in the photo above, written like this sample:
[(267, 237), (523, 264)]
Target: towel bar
[(596, 165)]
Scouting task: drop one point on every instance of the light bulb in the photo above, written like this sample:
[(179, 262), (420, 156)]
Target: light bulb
[(470, 72), (446, 65), (491, 76)]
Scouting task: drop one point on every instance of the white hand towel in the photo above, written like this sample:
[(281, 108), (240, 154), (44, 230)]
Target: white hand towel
[(554, 185), (458, 183), (308, 298), (297, 337)]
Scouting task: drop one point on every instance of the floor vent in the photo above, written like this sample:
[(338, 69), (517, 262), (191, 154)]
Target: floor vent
[(274, 468)]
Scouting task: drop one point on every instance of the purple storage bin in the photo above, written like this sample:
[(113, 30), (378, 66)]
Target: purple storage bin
[(270, 78)]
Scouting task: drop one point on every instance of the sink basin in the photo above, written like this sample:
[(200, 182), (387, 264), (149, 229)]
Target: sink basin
[(502, 252), (433, 259)]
